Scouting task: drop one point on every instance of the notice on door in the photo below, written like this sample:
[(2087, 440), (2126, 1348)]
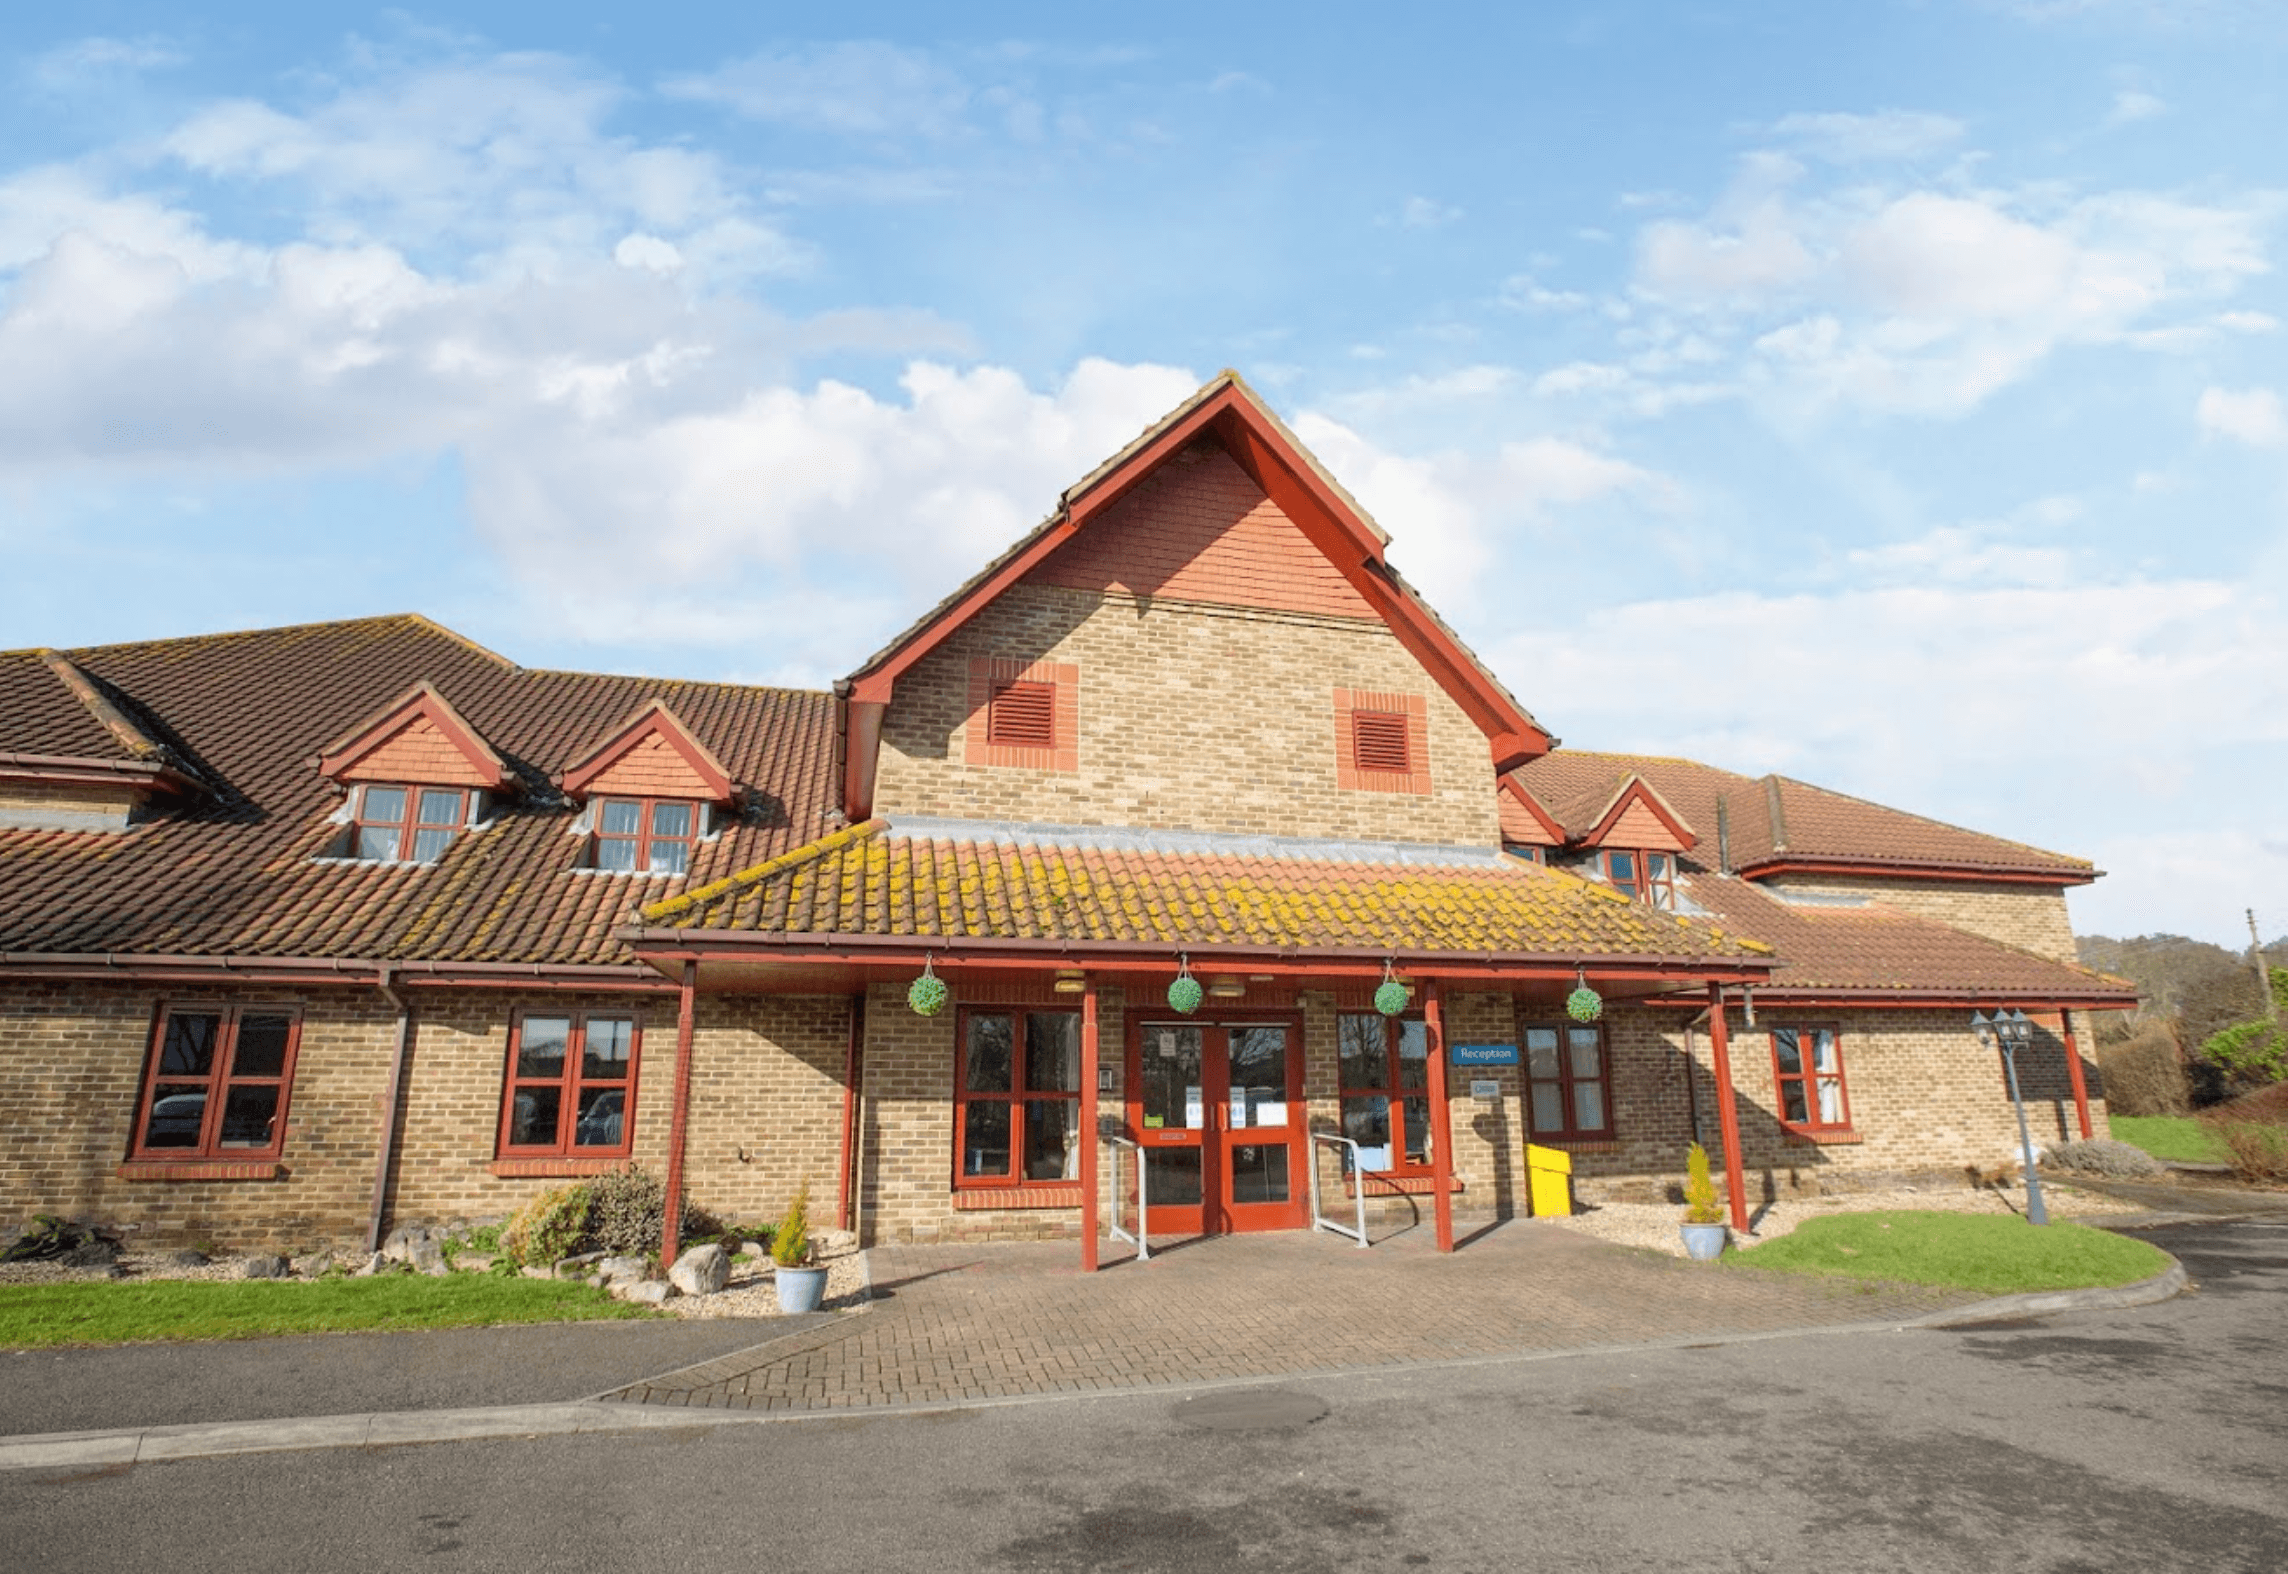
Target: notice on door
[(1195, 1109)]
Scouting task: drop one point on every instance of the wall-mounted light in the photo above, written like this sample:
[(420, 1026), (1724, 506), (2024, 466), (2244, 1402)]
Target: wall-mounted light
[(1226, 987), (1070, 981)]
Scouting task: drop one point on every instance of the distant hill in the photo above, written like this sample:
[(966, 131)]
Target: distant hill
[(2203, 987)]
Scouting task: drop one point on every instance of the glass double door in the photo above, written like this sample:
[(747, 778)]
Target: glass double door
[(1218, 1109)]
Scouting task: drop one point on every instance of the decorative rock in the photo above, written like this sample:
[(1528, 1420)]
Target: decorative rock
[(371, 1266), (428, 1257), (701, 1271), (473, 1262), (832, 1242), (399, 1246), (650, 1292), (185, 1258), (753, 1249), (614, 1269), (314, 1265), (579, 1267), (263, 1267), (538, 1273)]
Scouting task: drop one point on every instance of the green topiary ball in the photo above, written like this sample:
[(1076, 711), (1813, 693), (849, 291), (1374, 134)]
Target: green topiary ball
[(928, 995), (1584, 1005), (1184, 995), (1390, 997)]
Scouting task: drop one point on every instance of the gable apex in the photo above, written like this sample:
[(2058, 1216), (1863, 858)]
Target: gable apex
[(418, 738), (1333, 524), (1638, 816), (652, 754)]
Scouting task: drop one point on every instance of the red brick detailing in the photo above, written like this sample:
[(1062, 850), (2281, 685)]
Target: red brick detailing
[(1199, 530), (203, 1170), (1524, 823), (650, 768), (977, 1199), (990, 673), (1639, 827), (416, 752), (512, 1169), (1355, 774)]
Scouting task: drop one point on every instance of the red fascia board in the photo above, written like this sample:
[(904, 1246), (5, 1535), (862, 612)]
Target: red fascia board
[(146, 967), (1639, 791), (1921, 871), (1532, 805), (424, 701), (70, 770), (661, 946), (655, 717), (877, 686), (1770, 997)]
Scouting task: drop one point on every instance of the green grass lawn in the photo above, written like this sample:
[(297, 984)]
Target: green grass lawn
[(1970, 1251), (2178, 1137), (115, 1312)]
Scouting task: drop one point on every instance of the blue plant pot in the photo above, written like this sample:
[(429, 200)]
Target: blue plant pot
[(800, 1289), (1703, 1242)]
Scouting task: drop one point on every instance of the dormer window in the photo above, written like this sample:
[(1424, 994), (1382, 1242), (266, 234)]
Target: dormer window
[(407, 824), (645, 835), (1643, 877)]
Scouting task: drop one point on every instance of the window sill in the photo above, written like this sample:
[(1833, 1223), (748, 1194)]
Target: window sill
[(1387, 1185), (1055, 1194), (201, 1169), (555, 1168), (1823, 1136), (1577, 1144)]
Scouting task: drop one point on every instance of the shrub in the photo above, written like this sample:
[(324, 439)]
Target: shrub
[(2103, 1156), (790, 1242), (2252, 1053), (1700, 1206), (2254, 1131), (547, 1228), (627, 1212), (2145, 1074)]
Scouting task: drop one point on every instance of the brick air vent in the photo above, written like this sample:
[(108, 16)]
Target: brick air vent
[(1378, 741), (1022, 716)]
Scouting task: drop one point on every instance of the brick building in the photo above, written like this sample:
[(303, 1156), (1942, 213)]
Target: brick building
[(308, 930)]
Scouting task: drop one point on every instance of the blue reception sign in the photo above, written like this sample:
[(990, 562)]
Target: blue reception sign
[(1485, 1054)]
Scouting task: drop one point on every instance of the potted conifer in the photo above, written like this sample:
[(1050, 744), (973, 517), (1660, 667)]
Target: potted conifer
[(800, 1284), (1703, 1217)]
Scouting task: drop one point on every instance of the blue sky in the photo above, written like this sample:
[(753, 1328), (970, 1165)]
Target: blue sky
[(1888, 394)]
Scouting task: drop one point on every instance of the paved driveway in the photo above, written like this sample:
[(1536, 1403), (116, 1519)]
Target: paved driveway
[(988, 1322)]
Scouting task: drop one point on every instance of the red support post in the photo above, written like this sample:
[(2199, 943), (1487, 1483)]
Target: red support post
[(671, 1228), (1088, 1182), (853, 1071), (1441, 1118), (1727, 1114), (2073, 1071)]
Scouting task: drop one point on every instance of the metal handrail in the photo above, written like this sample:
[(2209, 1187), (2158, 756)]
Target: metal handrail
[(1143, 1246), (1319, 1221)]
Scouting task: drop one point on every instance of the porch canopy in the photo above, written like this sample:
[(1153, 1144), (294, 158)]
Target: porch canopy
[(880, 900)]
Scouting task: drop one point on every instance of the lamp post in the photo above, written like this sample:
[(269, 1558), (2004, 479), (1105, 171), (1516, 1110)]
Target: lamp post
[(2012, 1031)]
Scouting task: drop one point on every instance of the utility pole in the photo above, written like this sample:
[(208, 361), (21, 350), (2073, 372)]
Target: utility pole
[(2277, 1010)]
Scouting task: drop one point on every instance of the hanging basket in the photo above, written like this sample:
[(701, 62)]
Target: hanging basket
[(1584, 1004), (927, 995), (1390, 997), (1184, 995)]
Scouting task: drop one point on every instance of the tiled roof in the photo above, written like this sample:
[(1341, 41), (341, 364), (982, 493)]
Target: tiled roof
[(873, 880), (40, 714), (1774, 818), (238, 875), (1881, 949)]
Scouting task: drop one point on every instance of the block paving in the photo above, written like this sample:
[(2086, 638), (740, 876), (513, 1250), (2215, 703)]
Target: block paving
[(955, 1323)]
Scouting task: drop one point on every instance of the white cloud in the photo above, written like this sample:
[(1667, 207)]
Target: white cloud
[(1423, 213), (2251, 415), (1889, 134), (2131, 105), (852, 89)]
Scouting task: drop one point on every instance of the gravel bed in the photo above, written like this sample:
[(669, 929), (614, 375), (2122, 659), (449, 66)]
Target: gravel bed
[(132, 1265), (1654, 1225), (750, 1292)]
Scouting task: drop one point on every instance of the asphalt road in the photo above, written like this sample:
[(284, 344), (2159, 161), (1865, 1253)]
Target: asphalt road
[(2153, 1439)]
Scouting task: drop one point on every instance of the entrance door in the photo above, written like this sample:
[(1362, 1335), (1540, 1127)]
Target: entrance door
[(1218, 1108)]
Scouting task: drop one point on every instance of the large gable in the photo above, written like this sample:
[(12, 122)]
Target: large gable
[(1218, 503)]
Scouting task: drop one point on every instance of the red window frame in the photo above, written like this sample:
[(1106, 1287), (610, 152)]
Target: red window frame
[(569, 1083), (1808, 1079), (646, 837), (1391, 1084), (214, 1087), (1560, 1077), (1651, 877), (1020, 1104), (414, 818)]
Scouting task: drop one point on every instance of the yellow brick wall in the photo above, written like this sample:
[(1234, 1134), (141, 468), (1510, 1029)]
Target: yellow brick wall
[(1195, 717), (2030, 917)]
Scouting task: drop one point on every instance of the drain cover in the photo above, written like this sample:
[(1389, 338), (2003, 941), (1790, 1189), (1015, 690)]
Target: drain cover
[(1250, 1409)]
